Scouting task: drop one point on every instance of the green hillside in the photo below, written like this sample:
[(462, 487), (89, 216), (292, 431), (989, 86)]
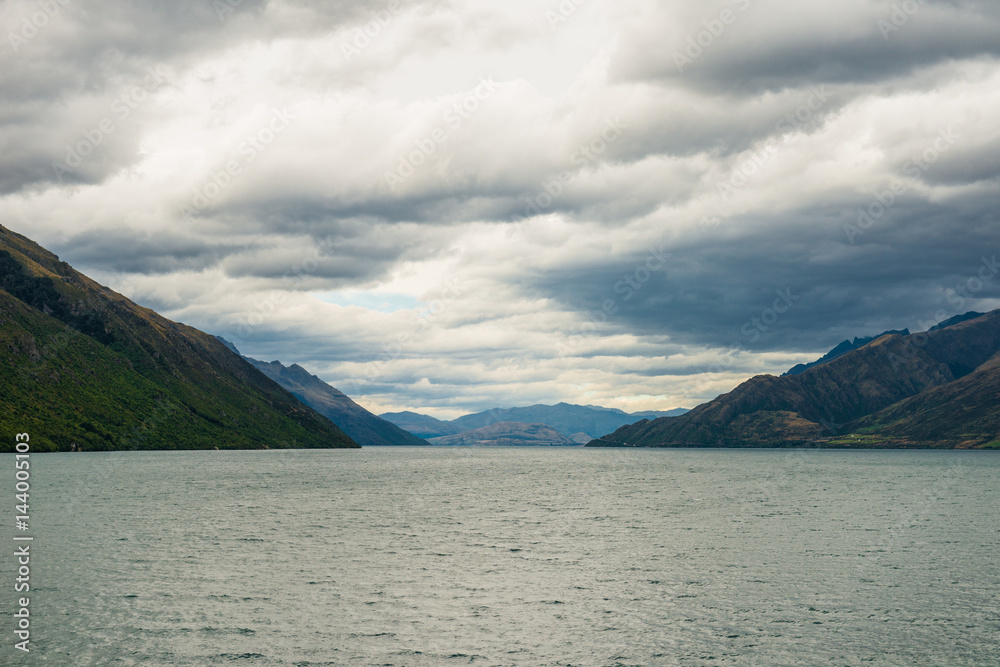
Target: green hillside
[(84, 368)]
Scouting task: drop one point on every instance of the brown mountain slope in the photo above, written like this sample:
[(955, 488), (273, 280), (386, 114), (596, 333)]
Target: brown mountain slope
[(964, 413), (815, 406)]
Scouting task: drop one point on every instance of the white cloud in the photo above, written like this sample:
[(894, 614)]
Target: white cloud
[(246, 193)]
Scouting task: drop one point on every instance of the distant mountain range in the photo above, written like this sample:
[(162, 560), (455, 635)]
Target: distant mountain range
[(365, 428), (423, 426), (939, 388), (507, 434), (84, 368), (578, 423)]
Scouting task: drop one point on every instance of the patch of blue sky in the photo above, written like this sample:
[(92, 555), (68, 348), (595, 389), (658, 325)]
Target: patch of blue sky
[(383, 302)]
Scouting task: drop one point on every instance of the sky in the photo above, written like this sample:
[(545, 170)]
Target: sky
[(451, 206)]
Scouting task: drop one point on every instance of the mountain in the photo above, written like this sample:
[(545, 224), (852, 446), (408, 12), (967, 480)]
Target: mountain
[(507, 434), (963, 413), (957, 319), (578, 422), (566, 418), (933, 389), (363, 427), (653, 414), (848, 345), (84, 368), (840, 350), (420, 425)]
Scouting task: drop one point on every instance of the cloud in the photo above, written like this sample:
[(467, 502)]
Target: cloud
[(551, 210), (752, 46)]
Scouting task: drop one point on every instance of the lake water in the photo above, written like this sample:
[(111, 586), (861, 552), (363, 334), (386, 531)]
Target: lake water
[(512, 556)]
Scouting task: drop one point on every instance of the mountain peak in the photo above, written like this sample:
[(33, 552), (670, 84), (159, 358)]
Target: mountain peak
[(229, 344), (335, 405), (842, 349), (957, 319)]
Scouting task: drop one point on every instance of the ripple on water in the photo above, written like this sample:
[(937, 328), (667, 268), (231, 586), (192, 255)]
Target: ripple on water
[(501, 557)]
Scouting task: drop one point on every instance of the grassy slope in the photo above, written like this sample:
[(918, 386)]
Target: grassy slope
[(83, 364)]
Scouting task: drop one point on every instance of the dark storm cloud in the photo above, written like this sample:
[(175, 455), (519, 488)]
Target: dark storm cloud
[(768, 46), (976, 161), (334, 253), (299, 243), (717, 289), (720, 123), (307, 212), (144, 252)]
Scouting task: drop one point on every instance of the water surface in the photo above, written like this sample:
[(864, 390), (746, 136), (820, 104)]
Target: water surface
[(512, 556)]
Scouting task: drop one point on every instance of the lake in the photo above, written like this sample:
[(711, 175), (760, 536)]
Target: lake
[(511, 556)]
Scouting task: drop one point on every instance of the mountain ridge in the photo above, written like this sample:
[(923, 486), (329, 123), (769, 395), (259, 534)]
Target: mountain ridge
[(842, 349), (361, 425), (579, 422), (85, 368), (853, 399), (507, 434)]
